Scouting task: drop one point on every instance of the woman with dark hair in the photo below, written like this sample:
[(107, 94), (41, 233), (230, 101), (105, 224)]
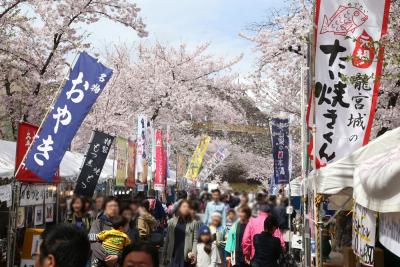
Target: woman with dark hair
[(267, 248), (104, 222), (180, 245), (79, 217)]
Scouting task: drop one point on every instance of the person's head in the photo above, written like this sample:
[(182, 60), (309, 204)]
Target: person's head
[(204, 237), (127, 213), (134, 206), (118, 222), (244, 200), (270, 224), (244, 214), (272, 200), (204, 234), (111, 206), (140, 254), (182, 194), (151, 193), (265, 207), (63, 246), (216, 195), (231, 215), (99, 203), (216, 219), (88, 204), (194, 208), (78, 205), (145, 206), (183, 210)]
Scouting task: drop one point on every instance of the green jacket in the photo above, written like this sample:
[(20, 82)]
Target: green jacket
[(191, 236), (87, 220), (231, 241)]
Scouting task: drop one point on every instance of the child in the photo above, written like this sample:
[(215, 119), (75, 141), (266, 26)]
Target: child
[(230, 219), (115, 239), (207, 251)]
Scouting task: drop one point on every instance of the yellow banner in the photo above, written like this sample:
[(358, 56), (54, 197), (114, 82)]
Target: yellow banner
[(197, 158), (122, 163)]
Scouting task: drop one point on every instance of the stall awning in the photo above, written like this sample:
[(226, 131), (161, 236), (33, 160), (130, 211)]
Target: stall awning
[(339, 175), (69, 167), (377, 182)]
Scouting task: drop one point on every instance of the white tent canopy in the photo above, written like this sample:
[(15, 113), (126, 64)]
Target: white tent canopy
[(69, 167), (339, 175), (377, 182)]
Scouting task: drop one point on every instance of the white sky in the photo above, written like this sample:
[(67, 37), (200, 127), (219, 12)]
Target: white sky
[(193, 21)]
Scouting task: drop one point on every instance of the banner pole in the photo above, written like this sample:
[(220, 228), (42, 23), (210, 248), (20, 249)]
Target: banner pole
[(47, 113)]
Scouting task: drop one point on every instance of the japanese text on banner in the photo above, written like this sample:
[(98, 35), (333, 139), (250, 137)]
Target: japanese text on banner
[(347, 71), (93, 165), (86, 81), (280, 149)]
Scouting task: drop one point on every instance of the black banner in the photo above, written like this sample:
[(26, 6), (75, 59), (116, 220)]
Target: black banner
[(95, 158), (280, 148)]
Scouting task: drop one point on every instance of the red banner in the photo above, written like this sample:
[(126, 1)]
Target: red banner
[(159, 179), (26, 133), (130, 181)]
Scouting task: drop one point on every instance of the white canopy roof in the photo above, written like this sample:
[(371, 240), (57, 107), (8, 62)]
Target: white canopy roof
[(339, 175), (377, 182), (69, 167)]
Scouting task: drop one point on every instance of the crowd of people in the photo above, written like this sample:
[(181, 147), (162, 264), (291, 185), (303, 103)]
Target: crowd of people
[(199, 229)]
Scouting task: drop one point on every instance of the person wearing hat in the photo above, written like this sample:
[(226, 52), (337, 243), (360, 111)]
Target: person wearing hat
[(207, 251), (256, 226)]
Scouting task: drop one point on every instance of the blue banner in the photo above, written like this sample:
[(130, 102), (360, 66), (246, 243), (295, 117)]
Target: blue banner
[(280, 149), (85, 83)]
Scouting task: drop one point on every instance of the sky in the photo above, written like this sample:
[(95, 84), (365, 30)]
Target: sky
[(193, 21)]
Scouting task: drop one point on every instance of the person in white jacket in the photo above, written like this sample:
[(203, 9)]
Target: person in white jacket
[(207, 251)]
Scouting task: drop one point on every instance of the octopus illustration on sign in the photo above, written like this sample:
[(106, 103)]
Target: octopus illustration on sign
[(345, 19)]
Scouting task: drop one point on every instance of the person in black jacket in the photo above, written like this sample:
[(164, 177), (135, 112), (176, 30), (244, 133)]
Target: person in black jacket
[(267, 247)]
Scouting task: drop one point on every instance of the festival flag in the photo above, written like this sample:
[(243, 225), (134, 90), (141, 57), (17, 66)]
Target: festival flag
[(197, 158), (181, 165), (85, 83), (149, 150), (215, 161), (94, 161), (159, 178), (130, 181), (141, 149), (168, 154), (280, 150), (348, 68), (153, 153), (26, 133), (122, 162)]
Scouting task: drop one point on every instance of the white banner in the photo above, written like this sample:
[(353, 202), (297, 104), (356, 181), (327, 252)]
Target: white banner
[(389, 231), (37, 195), (141, 144), (216, 160), (363, 236), (346, 65)]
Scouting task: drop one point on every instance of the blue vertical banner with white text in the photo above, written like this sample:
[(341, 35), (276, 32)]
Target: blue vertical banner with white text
[(85, 83), (280, 149)]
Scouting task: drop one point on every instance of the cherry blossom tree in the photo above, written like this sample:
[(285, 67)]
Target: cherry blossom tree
[(36, 38)]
